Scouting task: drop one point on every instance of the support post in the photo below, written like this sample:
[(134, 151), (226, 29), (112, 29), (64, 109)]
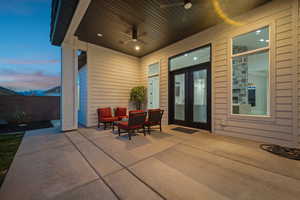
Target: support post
[(69, 70)]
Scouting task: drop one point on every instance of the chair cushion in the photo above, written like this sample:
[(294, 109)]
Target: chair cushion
[(122, 117), (120, 111), (104, 112), (109, 119), (154, 116), (135, 111), (154, 109), (151, 123), (124, 125)]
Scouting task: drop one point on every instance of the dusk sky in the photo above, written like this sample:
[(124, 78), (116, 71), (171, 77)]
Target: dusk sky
[(27, 59)]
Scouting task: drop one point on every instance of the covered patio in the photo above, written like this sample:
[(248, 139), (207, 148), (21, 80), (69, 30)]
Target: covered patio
[(228, 67), (92, 163)]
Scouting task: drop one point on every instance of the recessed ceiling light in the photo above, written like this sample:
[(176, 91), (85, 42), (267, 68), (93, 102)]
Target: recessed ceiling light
[(261, 40), (187, 4), (137, 48), (186, 54), (258, 32), (99, 34), (195, 58)]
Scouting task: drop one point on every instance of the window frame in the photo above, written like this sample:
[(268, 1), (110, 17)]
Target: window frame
[(154, 75), (148, 67), (190, 51), (271, 86)]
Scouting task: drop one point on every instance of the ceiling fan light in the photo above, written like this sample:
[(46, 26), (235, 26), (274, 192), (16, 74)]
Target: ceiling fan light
[(187, 4), (137, 48), (134, 34)]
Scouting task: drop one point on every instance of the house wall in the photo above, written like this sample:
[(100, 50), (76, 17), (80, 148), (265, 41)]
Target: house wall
[(83, 98), (111, 76), (282, 126), (298, 70)]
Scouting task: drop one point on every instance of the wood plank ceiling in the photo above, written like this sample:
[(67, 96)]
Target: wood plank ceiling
[(114, 19)]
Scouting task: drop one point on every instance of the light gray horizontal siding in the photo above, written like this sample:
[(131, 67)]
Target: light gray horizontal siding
[(111, 76), (278, 131)]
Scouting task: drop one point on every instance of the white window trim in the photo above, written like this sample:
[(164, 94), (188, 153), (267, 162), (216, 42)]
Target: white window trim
[(158, 74), (155, 75), (271, 87)]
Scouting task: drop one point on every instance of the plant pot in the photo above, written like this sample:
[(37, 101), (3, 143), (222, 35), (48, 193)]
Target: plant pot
[(22, 125)]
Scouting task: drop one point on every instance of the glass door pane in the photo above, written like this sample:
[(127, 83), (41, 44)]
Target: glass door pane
[(200, 96), (179, 95), (150, 93), (153, 92)]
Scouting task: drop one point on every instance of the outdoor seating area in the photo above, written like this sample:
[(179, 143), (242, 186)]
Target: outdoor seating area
[(232, 74), (134, 121)]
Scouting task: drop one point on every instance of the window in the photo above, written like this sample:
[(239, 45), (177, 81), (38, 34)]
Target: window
[(153, 69), (153, 86), (250, 73), (198, 56)]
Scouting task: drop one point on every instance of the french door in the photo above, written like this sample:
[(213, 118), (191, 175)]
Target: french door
[(190, 96)]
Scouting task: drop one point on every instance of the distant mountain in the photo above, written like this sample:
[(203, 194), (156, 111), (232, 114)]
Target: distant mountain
[(6, 91), (55, 91), (32, 93)]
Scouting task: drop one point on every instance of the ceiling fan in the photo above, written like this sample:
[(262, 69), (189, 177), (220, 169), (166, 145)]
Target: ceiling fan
[(134, 36), (187, 4)]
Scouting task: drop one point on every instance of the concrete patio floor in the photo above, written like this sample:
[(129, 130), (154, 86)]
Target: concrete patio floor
[(97, 164)]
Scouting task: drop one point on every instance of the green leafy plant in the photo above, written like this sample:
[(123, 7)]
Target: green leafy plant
[(19, 117), (138, 96)]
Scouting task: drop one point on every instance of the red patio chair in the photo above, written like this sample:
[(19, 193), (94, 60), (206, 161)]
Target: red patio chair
[(105, 117), (136, 121), (136, 111), (154, 118), (121, 113)]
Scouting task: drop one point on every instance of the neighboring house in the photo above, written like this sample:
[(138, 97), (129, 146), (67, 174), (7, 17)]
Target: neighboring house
[(6, 91), (237, 78), (55, 91)]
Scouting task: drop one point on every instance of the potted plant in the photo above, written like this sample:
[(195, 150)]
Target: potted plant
[(138, 96), (19, 118)]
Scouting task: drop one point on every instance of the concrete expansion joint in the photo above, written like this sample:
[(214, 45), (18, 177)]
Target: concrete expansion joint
[(76, 188), (98, 174), (124, 167), (239, 161)]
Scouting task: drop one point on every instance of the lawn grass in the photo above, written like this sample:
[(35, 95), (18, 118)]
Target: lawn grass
[(9, 144)]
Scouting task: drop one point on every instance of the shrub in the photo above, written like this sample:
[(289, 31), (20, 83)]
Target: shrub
[(138, 96)]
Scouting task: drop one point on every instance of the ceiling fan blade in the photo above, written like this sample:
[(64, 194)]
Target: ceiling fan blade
[(142, 34), (170, 5), (128, 35)]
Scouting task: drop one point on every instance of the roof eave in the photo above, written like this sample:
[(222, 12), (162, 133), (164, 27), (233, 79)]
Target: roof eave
[(61, 17)]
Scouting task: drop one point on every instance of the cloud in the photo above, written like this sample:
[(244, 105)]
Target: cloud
[(28, 62), (37, 80)]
